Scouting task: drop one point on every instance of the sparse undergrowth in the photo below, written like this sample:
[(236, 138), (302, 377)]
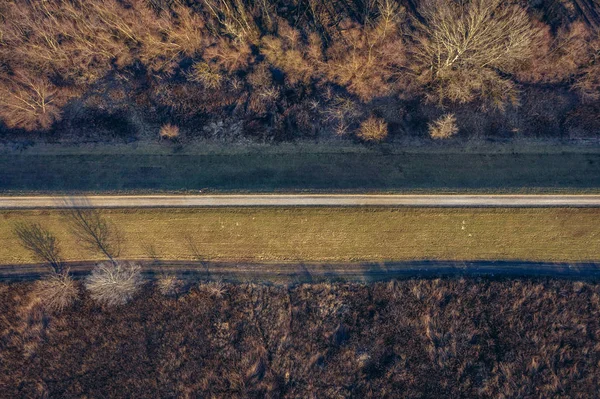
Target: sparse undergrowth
[(415, 338)]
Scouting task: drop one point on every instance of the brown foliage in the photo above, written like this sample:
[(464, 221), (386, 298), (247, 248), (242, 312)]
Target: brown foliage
[(367, 51), (368, 59), (415, 338), (444, 127), (287, 51), (169, 132), (30, 102), (373, 129)]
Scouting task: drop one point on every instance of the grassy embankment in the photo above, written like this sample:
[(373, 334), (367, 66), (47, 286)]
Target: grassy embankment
[(334, 234), (480, 167)]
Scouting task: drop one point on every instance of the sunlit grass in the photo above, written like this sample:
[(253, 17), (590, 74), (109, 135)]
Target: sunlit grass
[(333, 234)]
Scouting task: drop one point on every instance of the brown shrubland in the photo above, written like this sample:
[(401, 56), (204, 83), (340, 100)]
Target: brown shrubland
[(475, 338), (201, 59)]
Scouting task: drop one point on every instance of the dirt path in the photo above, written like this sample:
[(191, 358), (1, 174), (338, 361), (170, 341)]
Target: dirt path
[(157, 201), (283, 273)]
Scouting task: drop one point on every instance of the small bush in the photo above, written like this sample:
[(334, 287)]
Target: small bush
[(57, 291), (169, 285), (169, 132), (443, 128), (112, 284), (373, 129), (215, 289), (206, 75)]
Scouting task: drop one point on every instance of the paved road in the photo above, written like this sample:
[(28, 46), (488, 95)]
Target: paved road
[(444, 200), (285, 273)]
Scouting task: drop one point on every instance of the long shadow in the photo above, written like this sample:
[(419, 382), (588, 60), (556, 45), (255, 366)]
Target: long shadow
[(307, 272)]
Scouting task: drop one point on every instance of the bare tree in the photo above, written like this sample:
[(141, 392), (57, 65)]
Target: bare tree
[(41, 242), (30, 102), (373, 129), (92, 229), (58, 290), (169, 285), (114, 283), (464, 50)]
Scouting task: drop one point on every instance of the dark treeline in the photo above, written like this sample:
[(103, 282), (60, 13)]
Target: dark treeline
[(295, 68)]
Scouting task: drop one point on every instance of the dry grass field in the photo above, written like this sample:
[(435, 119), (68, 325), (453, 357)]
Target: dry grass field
[(450, 338), (332, 234)]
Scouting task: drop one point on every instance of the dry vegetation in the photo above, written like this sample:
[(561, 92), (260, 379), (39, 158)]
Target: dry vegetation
[(114, 283), (169, 132), (328, 234), (280, 69), (373, 129), (444, 127), (412, 339), (57, 291)]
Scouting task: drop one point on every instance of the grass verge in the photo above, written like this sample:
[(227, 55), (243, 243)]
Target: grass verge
[(333, 234), (290, 168)]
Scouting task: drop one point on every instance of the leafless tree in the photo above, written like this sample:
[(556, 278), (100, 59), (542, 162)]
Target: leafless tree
[(114, 283), (92, 229), (58, 290), (30, 102), (41, 242), (463, 50)]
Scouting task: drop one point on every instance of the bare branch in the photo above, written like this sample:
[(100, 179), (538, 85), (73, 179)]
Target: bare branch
[(92, 229), (41, 242)]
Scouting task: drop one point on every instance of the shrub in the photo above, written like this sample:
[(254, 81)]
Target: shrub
[(343, 112), (169, 132), (57, 291), (373, 129), (443, 128), (112, 284), (216, 289), (206, 75), (366, 58), (169, 285)]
